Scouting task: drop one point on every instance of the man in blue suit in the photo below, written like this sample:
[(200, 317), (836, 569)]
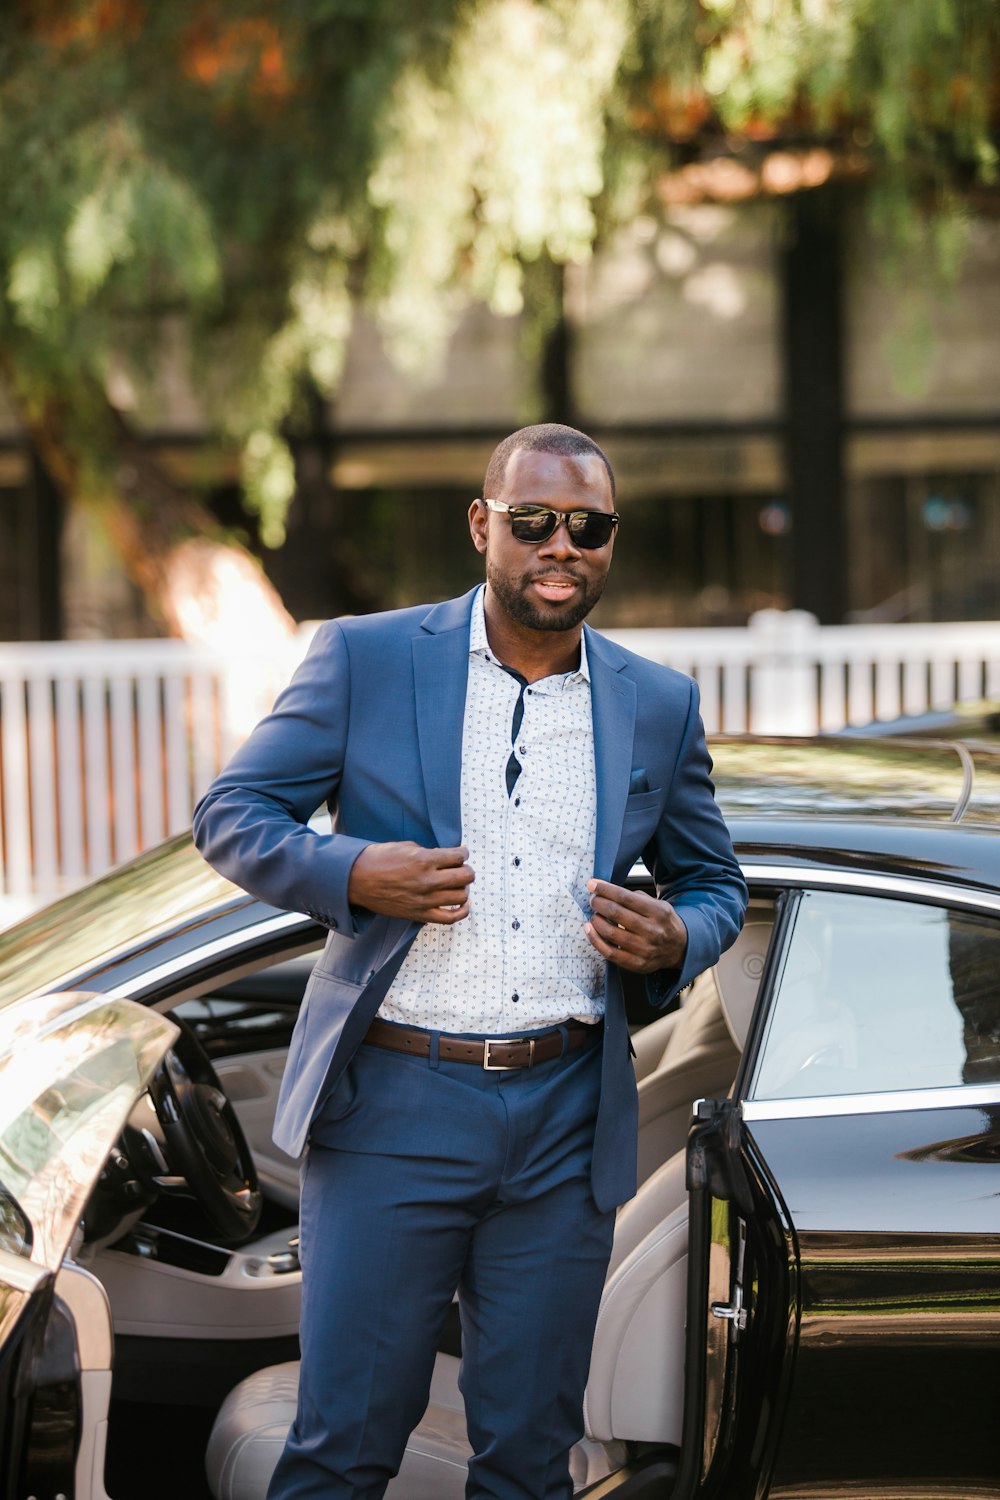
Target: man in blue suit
[(460, 1071)]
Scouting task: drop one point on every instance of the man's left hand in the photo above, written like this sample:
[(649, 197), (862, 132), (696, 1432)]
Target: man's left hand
[(634, 930)]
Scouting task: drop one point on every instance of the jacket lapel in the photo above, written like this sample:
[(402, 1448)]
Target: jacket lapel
[(440, 679), (613, 703)]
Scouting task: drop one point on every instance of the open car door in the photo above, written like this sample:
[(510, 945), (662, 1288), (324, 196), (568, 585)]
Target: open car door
[(844, 1276), (71, 1068), (25, 1304), (742, 1301)]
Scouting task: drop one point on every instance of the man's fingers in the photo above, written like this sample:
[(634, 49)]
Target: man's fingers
[(611, 951), (620, 937), (443, 872), (449, 878), (638, 901), (618, 915), (634, 930), (445, 915), (447, 896), (407, 880), (442, 858)]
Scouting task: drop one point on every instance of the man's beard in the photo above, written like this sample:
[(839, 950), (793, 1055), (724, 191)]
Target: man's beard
[(512, 595)]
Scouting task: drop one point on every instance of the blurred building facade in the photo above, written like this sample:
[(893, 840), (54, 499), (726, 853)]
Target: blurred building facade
[(782, 438)]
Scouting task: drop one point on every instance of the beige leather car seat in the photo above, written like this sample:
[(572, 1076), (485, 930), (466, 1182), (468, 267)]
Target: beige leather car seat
[(740, 969), (636, 1386), (686, 1055)]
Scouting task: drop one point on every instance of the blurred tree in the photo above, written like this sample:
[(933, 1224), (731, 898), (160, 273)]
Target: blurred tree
[(187, 182), (225, 179)]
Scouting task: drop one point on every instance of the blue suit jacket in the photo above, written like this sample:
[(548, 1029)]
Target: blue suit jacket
[(371, 724)]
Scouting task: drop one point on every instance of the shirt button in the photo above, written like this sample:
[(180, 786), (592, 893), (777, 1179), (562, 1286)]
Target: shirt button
[(515, 924), (515, 997), (522, 749), (517, 859), (517, 802)]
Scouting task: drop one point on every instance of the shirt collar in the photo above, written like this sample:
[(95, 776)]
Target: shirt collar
[(479, 643)]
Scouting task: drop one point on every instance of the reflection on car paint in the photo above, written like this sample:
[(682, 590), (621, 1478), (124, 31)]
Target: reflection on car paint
[(64, 1099)]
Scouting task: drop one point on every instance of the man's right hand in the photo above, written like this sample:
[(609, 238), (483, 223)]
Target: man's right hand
[(406, 880)]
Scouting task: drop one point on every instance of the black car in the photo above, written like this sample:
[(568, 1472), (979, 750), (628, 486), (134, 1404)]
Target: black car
[(804, 1295)]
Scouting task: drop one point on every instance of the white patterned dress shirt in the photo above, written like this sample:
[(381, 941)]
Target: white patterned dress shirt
[(520, 959)]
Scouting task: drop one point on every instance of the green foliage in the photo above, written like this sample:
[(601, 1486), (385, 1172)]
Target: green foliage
[(914, 82), (139, 219), (228, 178), (494, 163)]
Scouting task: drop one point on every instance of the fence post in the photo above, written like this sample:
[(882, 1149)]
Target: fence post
[(784, 695)]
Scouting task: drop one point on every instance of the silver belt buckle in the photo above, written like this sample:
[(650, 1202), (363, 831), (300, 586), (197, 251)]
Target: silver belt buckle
[(507, 1041)]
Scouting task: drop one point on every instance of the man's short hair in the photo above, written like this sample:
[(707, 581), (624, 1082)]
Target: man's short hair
[(544, 437)]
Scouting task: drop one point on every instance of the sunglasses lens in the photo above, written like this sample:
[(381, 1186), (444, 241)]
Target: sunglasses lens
[(588, 528), (530, 525)]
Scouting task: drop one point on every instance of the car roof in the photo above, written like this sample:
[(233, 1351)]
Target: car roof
[(930, 808)]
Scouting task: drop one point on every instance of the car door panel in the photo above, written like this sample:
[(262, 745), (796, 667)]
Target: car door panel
[(25, 1305), (869, 1137), (899, 1317)]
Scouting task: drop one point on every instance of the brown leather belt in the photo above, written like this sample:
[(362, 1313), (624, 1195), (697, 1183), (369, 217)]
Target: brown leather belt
[(492, 1054)]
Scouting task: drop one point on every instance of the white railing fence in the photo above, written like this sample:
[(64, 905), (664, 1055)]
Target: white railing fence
[(105, 747), (784, 673)]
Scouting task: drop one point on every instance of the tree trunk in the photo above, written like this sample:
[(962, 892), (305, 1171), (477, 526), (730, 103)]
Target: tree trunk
[(197, 582)]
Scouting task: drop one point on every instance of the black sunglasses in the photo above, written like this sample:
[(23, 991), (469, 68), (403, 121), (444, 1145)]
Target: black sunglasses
[(535, 523)]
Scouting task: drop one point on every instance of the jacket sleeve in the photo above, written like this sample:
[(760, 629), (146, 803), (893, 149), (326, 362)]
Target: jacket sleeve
[(252, 823), (692, 862)]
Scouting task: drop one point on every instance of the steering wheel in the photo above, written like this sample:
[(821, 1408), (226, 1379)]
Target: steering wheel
[(204, 1140)]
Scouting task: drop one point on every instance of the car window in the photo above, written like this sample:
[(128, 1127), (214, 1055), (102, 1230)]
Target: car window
[(879, 995), (252, 1013)]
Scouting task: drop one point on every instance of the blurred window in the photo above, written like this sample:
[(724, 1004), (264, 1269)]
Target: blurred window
[(879, 995)]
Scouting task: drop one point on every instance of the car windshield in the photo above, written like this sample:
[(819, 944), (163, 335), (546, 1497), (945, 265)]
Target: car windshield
[(133, 905)]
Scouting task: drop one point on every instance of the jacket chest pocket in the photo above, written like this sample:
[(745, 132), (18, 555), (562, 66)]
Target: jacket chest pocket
[(641, 815)]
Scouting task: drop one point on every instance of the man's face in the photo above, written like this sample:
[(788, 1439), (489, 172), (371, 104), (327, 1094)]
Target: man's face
[(550, 585)]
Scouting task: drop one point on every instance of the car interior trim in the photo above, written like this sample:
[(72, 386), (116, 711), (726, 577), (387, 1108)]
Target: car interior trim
[(894, 1101), (151, 979), (89, 1307), (164, 1293), (871, 882)]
